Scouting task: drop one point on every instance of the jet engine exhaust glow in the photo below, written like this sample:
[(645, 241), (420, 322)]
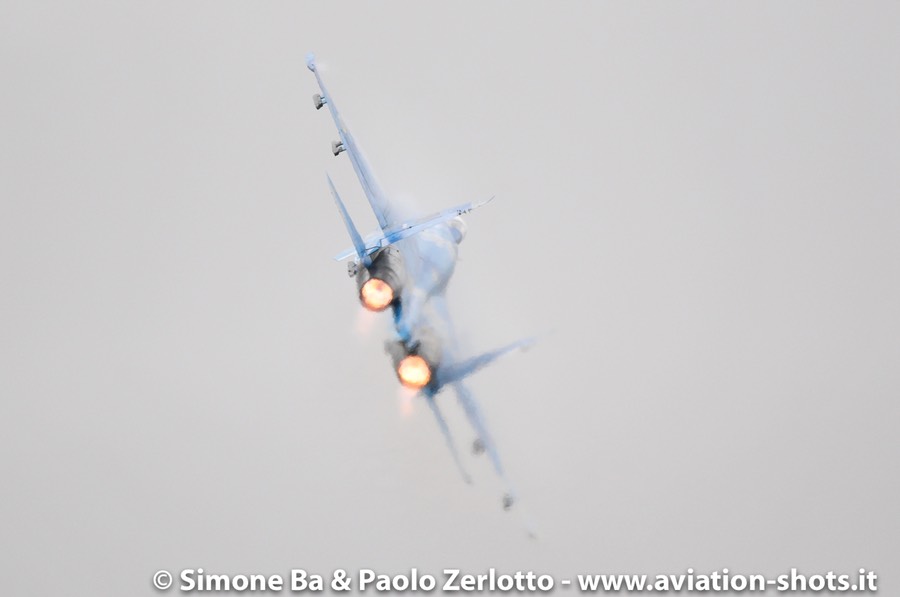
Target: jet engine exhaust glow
[(376, 295), (381, 283), (414, 372)]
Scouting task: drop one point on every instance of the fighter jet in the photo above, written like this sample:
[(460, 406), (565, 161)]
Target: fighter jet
[(405, 267)]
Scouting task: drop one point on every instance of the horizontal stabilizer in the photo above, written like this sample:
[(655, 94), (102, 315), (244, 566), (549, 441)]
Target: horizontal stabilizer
[(458, 371), (409, 228)]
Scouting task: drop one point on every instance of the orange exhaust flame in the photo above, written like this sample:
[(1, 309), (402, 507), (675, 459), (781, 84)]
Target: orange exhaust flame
[(365, 321), (376, 295), (414, 372), (406, 397)]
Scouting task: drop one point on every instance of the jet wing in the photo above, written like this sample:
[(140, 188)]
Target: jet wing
[(448, 437), (397, 232), (376, 197), (465, 397)]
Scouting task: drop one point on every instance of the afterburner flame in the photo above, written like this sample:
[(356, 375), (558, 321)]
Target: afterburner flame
[(414, 372), (376, 295)]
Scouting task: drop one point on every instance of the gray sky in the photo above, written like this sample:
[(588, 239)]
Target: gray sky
[(696, 204)]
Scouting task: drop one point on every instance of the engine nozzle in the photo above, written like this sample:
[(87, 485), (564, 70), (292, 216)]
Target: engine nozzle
[(381, 283), (417, 364), (414, 372), (376, 295)]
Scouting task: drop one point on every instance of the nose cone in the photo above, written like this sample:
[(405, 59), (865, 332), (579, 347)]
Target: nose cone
[(414, 372), (376, 295)]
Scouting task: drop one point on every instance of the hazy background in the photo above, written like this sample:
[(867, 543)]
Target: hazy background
[(696, 203)]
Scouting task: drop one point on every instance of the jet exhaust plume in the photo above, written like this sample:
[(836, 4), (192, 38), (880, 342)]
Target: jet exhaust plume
[(414, 372), (406, 398), (376, 295), (365, 321)]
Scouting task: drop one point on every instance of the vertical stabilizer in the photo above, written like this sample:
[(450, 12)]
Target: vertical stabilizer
[(358, 243)]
